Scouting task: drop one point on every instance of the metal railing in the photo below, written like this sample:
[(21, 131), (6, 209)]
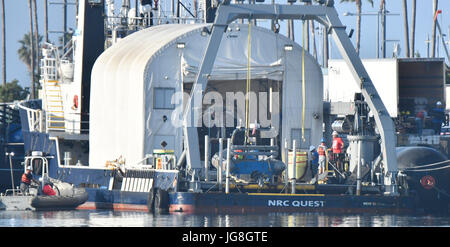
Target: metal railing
[(35, 118), (36, 121)]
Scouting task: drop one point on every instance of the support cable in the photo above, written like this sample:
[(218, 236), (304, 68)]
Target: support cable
[(303, 84), (247, 95)]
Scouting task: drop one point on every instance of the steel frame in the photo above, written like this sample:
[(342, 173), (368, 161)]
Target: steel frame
[(327, 16)]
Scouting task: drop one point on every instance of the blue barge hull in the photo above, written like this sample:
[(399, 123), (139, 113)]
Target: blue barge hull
[(115, 200), (274, 202), (237, 203)]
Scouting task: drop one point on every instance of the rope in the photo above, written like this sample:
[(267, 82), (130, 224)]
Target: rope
[(303, 83), (432, 164), (247, 95), (420, 168), (425, 170)]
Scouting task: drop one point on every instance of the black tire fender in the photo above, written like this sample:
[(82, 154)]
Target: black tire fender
[(151, 200), (161, 198)]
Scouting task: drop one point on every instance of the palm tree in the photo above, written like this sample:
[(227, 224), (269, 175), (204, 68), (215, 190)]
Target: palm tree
[(46, 19), (413, 28), (382, 11), (24, 50), (36, 39), (4, 42), (30, 7), (358, 20), (405, 23), (36, 29)]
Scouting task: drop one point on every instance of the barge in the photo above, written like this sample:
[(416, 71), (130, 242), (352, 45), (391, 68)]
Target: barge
[(146, 124)]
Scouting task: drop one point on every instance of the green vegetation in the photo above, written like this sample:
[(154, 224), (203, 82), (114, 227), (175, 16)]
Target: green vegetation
[(12, 91)]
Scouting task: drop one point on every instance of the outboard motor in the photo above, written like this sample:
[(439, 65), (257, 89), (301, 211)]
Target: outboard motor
[(427, 176)]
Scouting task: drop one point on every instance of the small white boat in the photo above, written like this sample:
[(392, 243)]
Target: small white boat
[(66, 195), (15, 200)]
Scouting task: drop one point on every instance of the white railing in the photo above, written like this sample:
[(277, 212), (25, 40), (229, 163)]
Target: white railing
[(48, 69), (35, 119)]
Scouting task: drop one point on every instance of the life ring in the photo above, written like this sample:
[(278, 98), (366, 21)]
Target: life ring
[(427, 182), (75, 102)]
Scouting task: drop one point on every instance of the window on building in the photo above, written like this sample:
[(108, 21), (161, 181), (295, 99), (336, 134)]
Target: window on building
[(163, 98)]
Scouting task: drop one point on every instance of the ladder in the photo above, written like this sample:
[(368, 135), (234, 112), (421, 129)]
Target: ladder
[(54, 106)]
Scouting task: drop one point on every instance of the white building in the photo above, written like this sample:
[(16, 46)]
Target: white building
[(132, 111)]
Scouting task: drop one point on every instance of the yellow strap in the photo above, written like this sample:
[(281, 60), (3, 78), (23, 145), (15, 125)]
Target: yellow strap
[(303, 83), (247, 95)]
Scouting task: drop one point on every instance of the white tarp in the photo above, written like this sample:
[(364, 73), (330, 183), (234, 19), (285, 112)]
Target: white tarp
[(117, 119), (342, 86), (123, 118)]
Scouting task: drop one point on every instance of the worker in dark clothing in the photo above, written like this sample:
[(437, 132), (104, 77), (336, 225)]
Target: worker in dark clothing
[(438, 117), (314, 160), (26, 180)]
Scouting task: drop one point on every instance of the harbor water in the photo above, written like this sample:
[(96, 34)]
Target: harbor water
[(107, 218)]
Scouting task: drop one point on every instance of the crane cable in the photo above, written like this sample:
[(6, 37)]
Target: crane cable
[(303, 84), (421, 168), (247, 95)]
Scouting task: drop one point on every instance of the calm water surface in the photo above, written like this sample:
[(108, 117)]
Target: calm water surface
[(82, 218)]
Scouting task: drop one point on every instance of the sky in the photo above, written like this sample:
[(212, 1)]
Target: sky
[(17, 24)]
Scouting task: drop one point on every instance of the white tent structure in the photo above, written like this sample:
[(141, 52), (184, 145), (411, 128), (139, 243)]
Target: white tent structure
[(134, 108)]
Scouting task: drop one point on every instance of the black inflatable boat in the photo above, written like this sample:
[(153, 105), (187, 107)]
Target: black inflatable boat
[(43, 202)]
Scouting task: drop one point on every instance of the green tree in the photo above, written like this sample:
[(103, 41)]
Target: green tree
[(12, 91), (24, 50), (358, 20)]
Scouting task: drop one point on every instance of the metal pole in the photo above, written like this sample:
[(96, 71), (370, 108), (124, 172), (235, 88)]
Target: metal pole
[(3, 43), (443, 41), (358, 174), (178, 11), (325, 47), (64, 23), (384, 31), (206, 158), (219, 169), (378, 34), (294, 166), (272, 143), (227, 181), (41, 121), (11, 169), (286, 162), (136, 15)]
